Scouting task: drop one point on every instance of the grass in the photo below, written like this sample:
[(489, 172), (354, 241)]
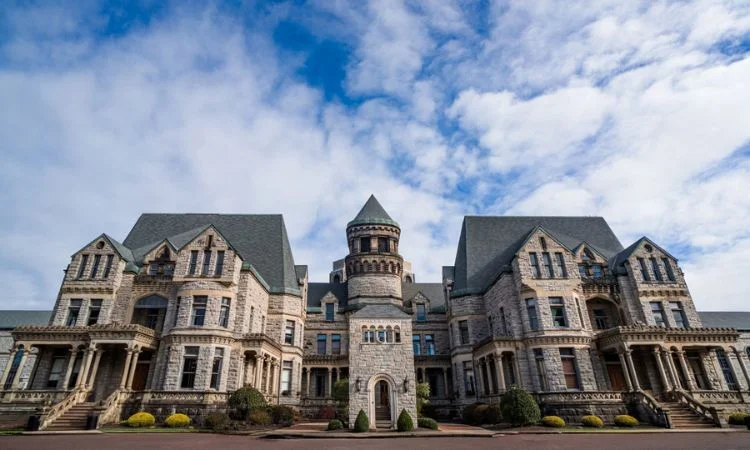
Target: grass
[(12, 432)]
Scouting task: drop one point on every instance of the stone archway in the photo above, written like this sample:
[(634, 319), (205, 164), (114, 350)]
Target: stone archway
[(382, 401)]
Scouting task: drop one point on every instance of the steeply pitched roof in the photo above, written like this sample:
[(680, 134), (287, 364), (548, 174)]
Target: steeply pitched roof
[(616, 261), (260, 239), (433, 292), (13, 318), (301, 272), (487, 244), (372, 213), (384, 311), (726, 319), (316, 292)]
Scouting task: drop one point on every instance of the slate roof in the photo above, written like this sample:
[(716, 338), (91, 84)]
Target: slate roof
[(316, 292), (726, 319), (487, 244), (385, 311), (616, 262), (372, 213), (433, 291), (12, 318), (260, 239), (301, 272)]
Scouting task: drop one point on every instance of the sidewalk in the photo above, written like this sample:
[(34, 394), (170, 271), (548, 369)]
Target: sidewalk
[(317, 430)]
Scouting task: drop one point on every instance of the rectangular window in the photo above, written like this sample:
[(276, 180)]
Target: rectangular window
[(336, 344), (74, 309), (597, 272), (560, 260), (364, 245), (382, 245), (548, 271), (216, 368), (644, 269), (463, 331), (421, 312), (58, 367), (169, 269), (199, 311), (193, 262), (678, 314), (329, 312), (601, 320), (321, 344), (224, 312), (491, 325), (219, 263), (206, 262), (570, 368), (416, 343), (557, 308), (177, 311), (503, 323), (540, 370), (289, 332), (534, 261), (582, 271), (189, 366), (726, 369), (429, 343), (82, 267), (95, 265), (153, 269), (468, 378), (657, 313), (286, 377), (95, 306), (668, 269), (655, 268), (108, 266), (533, 318)]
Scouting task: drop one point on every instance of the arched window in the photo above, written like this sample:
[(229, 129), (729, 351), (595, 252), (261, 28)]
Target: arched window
[(389, 334), (337, 279), (397, 334), (369, 267), (381, 334)]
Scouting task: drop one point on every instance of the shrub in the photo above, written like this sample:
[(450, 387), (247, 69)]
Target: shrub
[(737, 418), (626, 421), (362, 423), (177, 421), (469, 414), (426, 422), (341, 390), (335, 424), (553, 422), (479, 416), (592, 421), (519, 407), (245, 400), (260, 417), (327, 413), (493, 415), (281, 414), (429, 410), (404, 422), (216, 421), (141, 419)]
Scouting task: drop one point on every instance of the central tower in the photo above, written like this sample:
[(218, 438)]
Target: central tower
[(373, 265)]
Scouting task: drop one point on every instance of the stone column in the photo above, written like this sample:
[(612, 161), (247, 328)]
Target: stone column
[(133, 365), (660, 366), (329, 388), (685, 370), (17, 376), (125, 369), (69, 370), (83, 374), (258, 372), (631, 367), (625, 370), (6, 371), (95, 368), (267, 375), (500, 373), (276, 373), (307, 386), (445, 382), (738, 354), (675, 375)]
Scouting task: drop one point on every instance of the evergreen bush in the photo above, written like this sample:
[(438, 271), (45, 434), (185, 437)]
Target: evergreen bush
[(141, 420), (493, 415), (260, 417), (362, 424), (592, 421), (246, 399), (426, 422), (519, 407), (737, 418), (553, 422), (404, 422), (216, 421), (335, 424), (625, 421), (177, 421), (281, 414)]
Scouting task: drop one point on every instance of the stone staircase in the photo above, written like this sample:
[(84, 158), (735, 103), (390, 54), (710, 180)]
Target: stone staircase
[(682, 416), (74, 418)]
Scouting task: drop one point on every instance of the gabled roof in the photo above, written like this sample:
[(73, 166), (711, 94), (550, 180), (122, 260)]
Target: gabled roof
[(121, 250), (616, 261), (384, 311), (260, 239), (372, 213), (316, 292), (432, 291), (13, 318), (739, 320), (590, 247), (488, 244)]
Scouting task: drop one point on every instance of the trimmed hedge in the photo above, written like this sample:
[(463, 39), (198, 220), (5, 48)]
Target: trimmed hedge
[(625, 421), (216, 421), (404, 422), (519, 407), (335, 424), (362, 424), (281, 414), (737, 418), (592, 421), (260, 417), (177, 421), (141, 420), (553, 422), (247, 399), (426, 422)]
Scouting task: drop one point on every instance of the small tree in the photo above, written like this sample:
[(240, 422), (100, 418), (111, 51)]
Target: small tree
[(423, 395), (519, 407), (245, 400)]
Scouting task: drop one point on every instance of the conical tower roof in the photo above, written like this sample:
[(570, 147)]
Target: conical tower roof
[(372, 213)]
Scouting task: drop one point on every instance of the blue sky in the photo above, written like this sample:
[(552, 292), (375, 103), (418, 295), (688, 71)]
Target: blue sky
[(636, 111)]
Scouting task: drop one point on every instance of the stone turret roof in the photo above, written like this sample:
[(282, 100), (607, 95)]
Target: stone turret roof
[(372, 213)]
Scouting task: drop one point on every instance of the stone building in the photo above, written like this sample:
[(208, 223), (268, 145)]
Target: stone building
[(190, 307)]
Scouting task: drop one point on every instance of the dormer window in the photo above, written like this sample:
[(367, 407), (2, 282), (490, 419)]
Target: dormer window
[(587, 256), (421, 312), (543, 243)]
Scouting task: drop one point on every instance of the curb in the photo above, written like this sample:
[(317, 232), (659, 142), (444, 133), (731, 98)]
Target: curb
[(45, 433), (382, 435)]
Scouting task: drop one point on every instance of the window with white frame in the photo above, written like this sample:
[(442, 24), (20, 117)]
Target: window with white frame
[(216, 368), (189, 367), (286, 377)]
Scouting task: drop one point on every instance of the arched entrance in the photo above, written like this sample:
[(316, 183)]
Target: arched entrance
[(382, 403)]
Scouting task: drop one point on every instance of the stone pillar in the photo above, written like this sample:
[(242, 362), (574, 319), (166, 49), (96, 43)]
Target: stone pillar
[(69, 371), (95, 368), (675, 375), (307, 386), (625, 370), (660, 366), (685, 370), (125, 369), (329, 388), (445, 382), (276, 372), (500, 373), (133, 365), (631, 367), (267, 375), (258, 372), (17, 376), (738, 354), (6, 371), (83, 374)]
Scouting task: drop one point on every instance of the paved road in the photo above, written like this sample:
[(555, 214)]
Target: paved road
[(185, 441)]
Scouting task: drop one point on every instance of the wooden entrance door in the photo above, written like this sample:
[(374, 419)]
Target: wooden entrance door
[(616, 377), (382, 402), (140, 376)]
